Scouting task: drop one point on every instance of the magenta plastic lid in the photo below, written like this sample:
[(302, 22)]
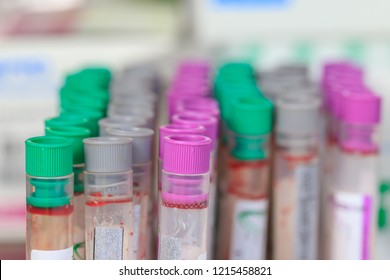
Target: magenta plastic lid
[(199, 118), (342, 68), (187, 154), (178, 129), (194, 88), (194, 65), (337, 90), (361, 108), (200, 104), (174, 100)]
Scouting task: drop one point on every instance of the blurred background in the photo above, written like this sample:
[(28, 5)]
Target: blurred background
[(42, 40)]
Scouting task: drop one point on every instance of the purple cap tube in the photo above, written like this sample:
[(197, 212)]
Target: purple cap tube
[(206, 120), (178, 129), (360, 114)]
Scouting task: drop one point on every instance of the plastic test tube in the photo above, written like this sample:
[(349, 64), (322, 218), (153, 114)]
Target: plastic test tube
[(184, 198), (142, 173), (170, 130), (243, 224), (109, 198), (49, 198), (76, 134), (296, 180), (211, 125), (335, 91), (354, 198)]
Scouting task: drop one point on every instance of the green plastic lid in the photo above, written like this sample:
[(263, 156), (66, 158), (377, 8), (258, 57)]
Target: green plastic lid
[(230, 93), (49, 156), (74, 133), (101, 72), (93, 116), (67, 91), (223, 84), (234, 68), (251, 115), (250, 123), (71, 101), (89, 77), (68, 120)]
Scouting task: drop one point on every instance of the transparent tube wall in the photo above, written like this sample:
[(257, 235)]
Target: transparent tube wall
[(109, 216), (49, 218), (183, 217)]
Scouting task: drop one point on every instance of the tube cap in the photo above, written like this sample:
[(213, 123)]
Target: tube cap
[(251, 116), (361, 108), (298, 114), (142, 141), (209, 122), (178, 129), (121, 123), (108, 154), (68, 120), (49, 156), (187, 154), (74, 133), (201, 104)]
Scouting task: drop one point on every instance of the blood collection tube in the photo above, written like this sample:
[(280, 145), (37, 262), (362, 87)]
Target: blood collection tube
[(184, 198), (211, 125), (49, 198), (142, 174), (243, 224), (76, 134), (296, 181), (355, 194), (109, 198)]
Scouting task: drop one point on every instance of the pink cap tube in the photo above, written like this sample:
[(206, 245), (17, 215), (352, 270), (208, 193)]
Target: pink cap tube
[(178, 129), (201, 104), (187, 154), (361, 108), (206, 120)]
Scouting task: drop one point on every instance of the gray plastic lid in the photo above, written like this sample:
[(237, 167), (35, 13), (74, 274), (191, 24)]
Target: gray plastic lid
[(118, 122), (297, 114), (145, 111), (108, 154), (142, 141)]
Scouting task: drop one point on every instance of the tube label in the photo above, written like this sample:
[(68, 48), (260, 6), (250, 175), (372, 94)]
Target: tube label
[(64, 254), (351, 231), (306, 239), (249, 230)]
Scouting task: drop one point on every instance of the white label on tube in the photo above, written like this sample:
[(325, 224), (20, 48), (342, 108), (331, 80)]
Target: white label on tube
[(307, 212), (137, 220), (351, 229), (169, 248), (64, 254), (249, 230)]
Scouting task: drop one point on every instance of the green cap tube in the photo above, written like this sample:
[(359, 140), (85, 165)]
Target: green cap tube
[(250, 123)]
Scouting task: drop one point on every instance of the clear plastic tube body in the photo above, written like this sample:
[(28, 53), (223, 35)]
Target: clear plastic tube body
[(79, 209), (109, 216), (212, 206), (354, 198), (183, 217), (330, 157), (49, 218), (141, 189), (244, 220), (296, 198)]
